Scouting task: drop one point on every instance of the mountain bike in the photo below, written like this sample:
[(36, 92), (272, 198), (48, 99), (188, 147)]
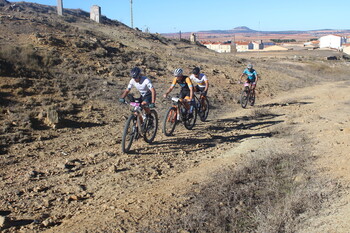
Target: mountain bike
[(202, 105), (247, 95), (178, 113), (139, 125)]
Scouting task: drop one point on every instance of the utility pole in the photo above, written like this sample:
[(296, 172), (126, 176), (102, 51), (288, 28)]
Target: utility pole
[(131, 16)]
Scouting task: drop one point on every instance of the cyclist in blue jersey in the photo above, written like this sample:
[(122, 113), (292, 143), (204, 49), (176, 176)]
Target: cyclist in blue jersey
[(252, 76)]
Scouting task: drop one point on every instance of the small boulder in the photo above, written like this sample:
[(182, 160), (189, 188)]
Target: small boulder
[(2, 221)]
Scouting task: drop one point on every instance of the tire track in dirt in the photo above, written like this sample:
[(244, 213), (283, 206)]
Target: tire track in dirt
[(83, 182)]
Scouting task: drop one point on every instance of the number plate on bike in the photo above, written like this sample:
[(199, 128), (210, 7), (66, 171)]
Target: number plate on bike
[(175, 99), (135, 104)]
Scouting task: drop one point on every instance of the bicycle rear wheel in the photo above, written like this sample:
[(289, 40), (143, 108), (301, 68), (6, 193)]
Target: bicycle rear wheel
[(129, 133), (151, 127), (204, 109), (244, 98), (170, 121)]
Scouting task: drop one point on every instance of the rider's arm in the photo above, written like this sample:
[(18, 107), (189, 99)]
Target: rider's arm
[(240, 78), (206, 86), (256, 78), (190, 86), (127, 90), (191, 92), (170, 88), (125, 93), (153, 91)]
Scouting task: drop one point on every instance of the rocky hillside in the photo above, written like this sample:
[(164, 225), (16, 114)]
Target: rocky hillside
[(54, 69), (61, 166)]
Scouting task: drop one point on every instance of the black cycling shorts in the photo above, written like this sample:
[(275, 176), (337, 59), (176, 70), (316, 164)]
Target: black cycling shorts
[(184, 93), (147, 98)]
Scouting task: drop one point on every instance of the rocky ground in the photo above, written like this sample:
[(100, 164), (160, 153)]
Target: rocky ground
[(61, 164)]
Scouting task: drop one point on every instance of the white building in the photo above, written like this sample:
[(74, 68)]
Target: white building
[(332, 41), (220, 47), (257, 45), (243, 46), (346, 49), (229, 47)]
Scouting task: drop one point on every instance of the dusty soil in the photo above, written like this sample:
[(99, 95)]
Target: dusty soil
[(70, 176), (80, 181), (106, 188)]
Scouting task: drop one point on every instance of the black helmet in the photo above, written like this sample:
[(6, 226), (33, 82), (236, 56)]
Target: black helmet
[(196, 71), (135, 72)]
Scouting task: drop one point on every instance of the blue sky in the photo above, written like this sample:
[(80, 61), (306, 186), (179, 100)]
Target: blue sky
[(200, 15)]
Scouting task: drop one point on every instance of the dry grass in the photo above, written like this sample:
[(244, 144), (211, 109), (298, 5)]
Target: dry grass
[(26, 56), (270, 192), (260, 112)]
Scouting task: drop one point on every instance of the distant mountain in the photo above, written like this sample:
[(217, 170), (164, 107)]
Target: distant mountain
[(242, 29), (247, 30)]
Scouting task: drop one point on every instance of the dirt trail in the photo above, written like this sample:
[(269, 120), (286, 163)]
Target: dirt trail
[(80, 180), (320, 112)]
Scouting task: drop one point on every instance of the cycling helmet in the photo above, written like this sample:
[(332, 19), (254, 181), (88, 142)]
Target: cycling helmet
[(135, 72), (196, 71), (250, 66), (178, 72)]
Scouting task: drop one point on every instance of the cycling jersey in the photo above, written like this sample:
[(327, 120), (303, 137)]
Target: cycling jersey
[(202, 78), (251, 74), (144, 86), (185, 82)]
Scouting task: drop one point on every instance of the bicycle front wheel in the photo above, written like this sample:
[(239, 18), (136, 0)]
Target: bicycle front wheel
[(151, 127), (129, 133), (244, 98), (170, 121), (252, 98)]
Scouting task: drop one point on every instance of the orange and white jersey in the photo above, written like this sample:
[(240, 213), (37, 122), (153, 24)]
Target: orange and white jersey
[(201, 80)]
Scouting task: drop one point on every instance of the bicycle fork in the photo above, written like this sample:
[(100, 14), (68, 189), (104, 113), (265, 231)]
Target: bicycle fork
[(138, 126)]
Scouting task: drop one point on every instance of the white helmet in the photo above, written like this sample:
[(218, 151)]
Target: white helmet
[(250, 66), (178, 72)]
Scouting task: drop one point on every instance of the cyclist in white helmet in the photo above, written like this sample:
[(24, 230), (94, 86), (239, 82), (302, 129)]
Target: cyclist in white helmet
[(186, 85), (252, 76)]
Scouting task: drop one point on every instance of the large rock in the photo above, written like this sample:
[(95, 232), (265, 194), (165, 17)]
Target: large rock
[(50, 116), (2, 218)]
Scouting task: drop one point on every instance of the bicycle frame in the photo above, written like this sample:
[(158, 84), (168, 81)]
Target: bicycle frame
[(248, 95), (198, 99), (138, 112), (202, 106), (177, 102)]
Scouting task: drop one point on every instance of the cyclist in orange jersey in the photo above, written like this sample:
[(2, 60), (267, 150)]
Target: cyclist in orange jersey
[(186, 92)]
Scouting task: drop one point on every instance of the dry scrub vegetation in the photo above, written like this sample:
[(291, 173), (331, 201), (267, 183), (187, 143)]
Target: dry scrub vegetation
[(269, 191)]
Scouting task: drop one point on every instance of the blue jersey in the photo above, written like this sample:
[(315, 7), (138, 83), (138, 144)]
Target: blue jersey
[(251, 74)]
